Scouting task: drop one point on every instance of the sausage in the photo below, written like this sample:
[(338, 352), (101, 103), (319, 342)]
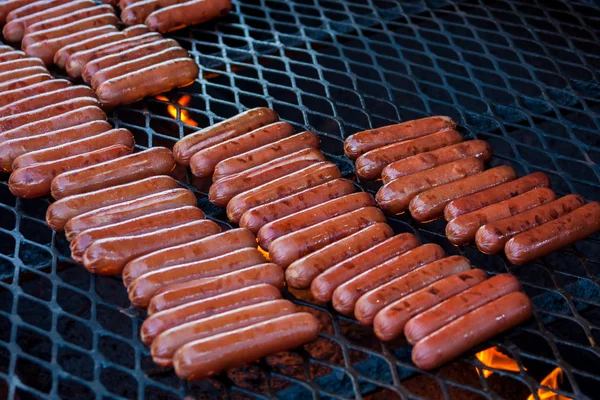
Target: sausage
[(12, 55), (148, 81), (123, 4), (198, 289), (425, 161), (161, 321), (142, 289), (189, 13), (46, 99), (44, 86), (165, 344), (455, 307), (370, 164), (293, 183), (300, 273), (35, 180), (199, 250), (203, 162), (492, 237), (259, 216), (554, 235), (68, 17), (22, 73), (109, 256), (389, 323), (139, 11), (430, 204), (112, 214), (8, 6), (264, 154), (11, 149), (33, 7), (358, 144), (73, 118), (87, 145), (289, 248), (20, 83), (311, 216), (472, 329), (235, 126), (205, 357), (136, 226), (495, 195), (345, 296), (61, 211), (223, 191), (62, 55), (151, 162), (395, 196), (323, 286), (20, 64), (135, 30), (462, 229)]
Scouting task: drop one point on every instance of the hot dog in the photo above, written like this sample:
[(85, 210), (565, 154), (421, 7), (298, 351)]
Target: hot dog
[(189, 13), (199, 250), (46, 99), (135, 30), (370, 165), (346, 295), (235, 126), (22, 73), (123, 4), (301, 273), (20, 64), (495, 195), (17, 84), (203, 162), (323, 286), (296, 245), (462, 229), (551, 236), (165, 344), (146, 286), (471, 329), (12, 55), (33, 7), (435, 158), (362, 142), (151, 162), (68, 17), (45, 86), (208, 356), (430, 204), (8, 6), (264, 154), (35, 180), (395, 196), (63, 210), (62, 55), (390, 321), (293, 183), (139, 11)]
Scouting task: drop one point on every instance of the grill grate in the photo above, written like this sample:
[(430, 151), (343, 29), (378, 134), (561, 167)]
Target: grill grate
[(522, 76)]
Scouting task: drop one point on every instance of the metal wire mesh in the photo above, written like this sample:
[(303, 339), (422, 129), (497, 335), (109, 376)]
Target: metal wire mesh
[(521, 75)]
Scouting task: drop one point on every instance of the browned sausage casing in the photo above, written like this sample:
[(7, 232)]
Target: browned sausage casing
[(18, 84), (33, 7), (45, 99), (362, 142), (62, 55), (135, 30), (154, 161), (187, 14), (8, 6), (11, 76), (139, 11), (67, 18), (20, 64), (50, 85), (12, 55)]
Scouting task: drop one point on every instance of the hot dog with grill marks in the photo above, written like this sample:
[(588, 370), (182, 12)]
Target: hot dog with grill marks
[(312, 216), (345, 296), (492, 237), (435, 158), (158, 201), (235, 126), (430, 204), (22, 73), (199, 250), (264, 154), (462, 229), (301, 273), (135, 30), (203, 162), (20, 64), (495, 195), (554, 235), (61, 211), (189, 13), (223, 191), (62, 55), (123, 4), (35, 180), (142, 289), (12, 55), (472, 329), (165, 344), (18, 84), (294, 246), (198, 289), (46, 99), (67, 18), (370, 165), (154, 161), (389, 323), (8, 6), (49, 85), (33, 7), (293, 183), (395, 196), (5, 48), (138, 12), (362, 142), (323, 286)]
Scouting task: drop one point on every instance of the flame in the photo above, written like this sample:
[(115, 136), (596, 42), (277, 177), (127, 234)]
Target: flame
[(552, 380), (183, 101), (264, 253), (494, 358)]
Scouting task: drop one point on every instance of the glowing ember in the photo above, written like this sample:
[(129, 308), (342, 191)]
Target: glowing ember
[(184, 115), (552, 381), (494, 358), (264, 253)]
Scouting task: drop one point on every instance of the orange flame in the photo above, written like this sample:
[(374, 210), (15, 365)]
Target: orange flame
[(552, 381), (264, 253), (494, 358), (183, 101)]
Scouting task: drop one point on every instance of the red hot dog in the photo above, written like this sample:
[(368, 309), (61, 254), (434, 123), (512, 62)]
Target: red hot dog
[(62, 55), (46, 99), (189, 13), (68, 17), (8, 6), (21, 83), (50, 85)]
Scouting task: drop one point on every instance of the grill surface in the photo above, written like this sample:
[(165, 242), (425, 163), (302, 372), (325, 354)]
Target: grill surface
[(521, 75)]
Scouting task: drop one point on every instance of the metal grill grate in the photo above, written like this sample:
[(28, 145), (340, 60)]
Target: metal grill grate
[(521, 75)]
